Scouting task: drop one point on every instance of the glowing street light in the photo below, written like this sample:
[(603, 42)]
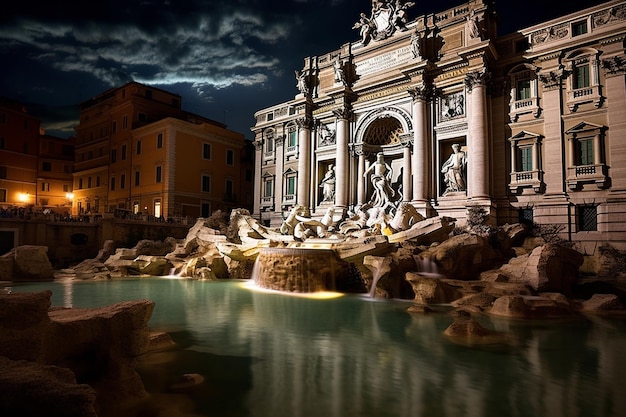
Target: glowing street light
[(23, 197)]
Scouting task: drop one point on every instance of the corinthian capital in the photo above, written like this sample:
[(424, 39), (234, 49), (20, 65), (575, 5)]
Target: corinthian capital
[(421, 92), (343, 113), (475, 78), (305, 122)]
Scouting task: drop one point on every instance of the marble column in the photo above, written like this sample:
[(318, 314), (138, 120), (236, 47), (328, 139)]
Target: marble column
[(407, 186), (478, 163), (554, 175), (258, 159), (420, 145), (304, 161), (342, 158), (279, 155), (360, 192)]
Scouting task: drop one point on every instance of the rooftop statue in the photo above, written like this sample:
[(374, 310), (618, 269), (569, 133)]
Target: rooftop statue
[(386, 17)]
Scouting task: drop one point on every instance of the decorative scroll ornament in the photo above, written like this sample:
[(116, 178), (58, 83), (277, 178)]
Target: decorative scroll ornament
[(615, 65), (552, 79)]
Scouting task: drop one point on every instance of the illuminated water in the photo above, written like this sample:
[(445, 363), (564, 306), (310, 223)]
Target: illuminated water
[(273, 355)]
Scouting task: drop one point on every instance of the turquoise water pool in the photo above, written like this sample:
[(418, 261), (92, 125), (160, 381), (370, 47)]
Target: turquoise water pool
[(274, 355)]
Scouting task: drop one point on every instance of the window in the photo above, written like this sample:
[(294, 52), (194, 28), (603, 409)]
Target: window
[(3, 172), (137, 178), (585, 151), (230, 157), (159, 141), (114, 127), (268, 190), (579, 28), (45, 186), (524, 92), (523, 89), (229, 193), (88, 182), (157, 208), (270, 117), (581, 76), (112, 183), (586, 157), (290, 188), (142, 117), (526, 158), (46, 166), (158, 174), (583, 79), (292, 139), (136, 207), (526, 216), (124, 122), (98, 181), (138, 147), (269, 144), (206, 151), (122, 181), (587, 218), (123, 152), (148, 93), (3, 195), (526, 164), (206, 184), (113, 156), (3, 143), (66, 188), (80, 183)]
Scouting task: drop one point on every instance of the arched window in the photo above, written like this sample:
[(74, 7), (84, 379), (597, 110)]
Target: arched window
[(524, 92), (583, 80)]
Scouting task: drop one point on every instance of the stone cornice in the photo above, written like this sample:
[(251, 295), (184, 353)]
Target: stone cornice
[(614, 66)]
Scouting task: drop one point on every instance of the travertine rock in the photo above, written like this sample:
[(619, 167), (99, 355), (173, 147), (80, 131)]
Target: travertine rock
[(32, 389), (26, 263)]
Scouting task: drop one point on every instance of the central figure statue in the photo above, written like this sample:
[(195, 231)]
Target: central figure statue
[(382, 174)]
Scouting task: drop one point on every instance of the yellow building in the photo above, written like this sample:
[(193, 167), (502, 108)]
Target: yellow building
[(138, 152)]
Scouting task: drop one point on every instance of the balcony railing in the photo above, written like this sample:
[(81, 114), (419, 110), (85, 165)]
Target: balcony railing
[(584, 95), (527, 179), (584, 174)]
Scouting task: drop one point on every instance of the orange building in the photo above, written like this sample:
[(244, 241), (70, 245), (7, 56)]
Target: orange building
[(138, 151), (54, 177), (19, 136)]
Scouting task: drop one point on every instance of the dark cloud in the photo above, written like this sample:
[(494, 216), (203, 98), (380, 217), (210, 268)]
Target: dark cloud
[(226, 58)]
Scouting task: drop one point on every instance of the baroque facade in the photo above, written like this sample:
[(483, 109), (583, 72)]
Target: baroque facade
[(528, 126)]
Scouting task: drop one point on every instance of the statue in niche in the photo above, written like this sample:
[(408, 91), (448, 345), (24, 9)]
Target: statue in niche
[(454, 170), (381, 173), (328, 185)]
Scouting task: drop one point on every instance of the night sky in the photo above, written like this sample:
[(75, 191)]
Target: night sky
[(226, 58)]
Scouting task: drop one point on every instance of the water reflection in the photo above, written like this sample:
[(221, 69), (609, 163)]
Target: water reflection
[(267, 354)]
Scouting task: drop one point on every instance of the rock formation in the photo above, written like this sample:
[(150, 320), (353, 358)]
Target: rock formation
[(68, 354)]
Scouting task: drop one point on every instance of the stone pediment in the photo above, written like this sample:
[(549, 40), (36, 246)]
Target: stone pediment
[(524, 135), (583, 127)]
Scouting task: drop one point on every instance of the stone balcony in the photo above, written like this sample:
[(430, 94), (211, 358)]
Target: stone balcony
[(527, 179), (584, 174)]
